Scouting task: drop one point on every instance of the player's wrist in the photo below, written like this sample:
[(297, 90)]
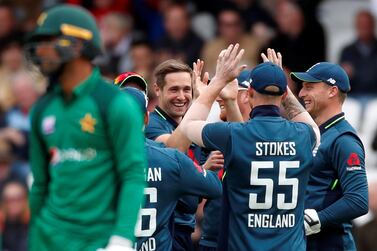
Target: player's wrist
[(118, 243), (311, 222), (119, 240), (219, 80)]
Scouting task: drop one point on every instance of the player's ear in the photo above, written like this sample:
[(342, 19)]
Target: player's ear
[(333, 91), (251, 92), (157, 89), (285, 94)]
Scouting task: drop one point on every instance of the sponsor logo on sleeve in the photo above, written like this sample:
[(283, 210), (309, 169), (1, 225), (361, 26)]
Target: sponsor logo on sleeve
[(353, 162), (48, 125)]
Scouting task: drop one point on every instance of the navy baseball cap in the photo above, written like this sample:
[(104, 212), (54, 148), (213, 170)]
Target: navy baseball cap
[(139, 96), (268, 74), (131, 77), (331, 74), (244, 80)]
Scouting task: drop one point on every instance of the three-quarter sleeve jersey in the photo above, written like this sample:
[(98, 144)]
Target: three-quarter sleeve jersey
[(170, 175)]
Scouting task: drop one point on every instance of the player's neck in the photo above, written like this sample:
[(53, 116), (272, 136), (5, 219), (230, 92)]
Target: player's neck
[(74, 73), (327, 114)]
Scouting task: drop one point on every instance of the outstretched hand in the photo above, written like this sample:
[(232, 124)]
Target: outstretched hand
[(199, 83), (273, 57), (227, 67)]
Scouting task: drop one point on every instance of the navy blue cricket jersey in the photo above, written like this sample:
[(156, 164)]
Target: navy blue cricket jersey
[(268, 160), (170, 175), (211, 220), (337, 186), (160, 123)]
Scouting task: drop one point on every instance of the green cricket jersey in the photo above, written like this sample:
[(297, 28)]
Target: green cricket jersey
[(88, 160)]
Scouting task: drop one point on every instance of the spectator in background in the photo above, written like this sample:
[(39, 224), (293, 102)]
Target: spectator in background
[(17, 215), (231, 31), (7, 171), (116, 33), (143, 59), (302, 43), (144, 63), (366, 234), (179, 42), (26, 88), (101, 8), (148, 17), (7, 21), (258, 20), (359, 58), (26, 13), (11, 61)]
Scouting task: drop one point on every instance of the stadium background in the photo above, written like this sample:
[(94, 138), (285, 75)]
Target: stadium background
[(138, 34)]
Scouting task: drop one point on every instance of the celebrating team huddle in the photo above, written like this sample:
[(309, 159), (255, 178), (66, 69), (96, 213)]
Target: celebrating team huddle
[(274, 175)]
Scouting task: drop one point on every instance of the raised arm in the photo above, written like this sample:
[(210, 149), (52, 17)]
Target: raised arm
[(292, 107), (227, 69), (229, 95)]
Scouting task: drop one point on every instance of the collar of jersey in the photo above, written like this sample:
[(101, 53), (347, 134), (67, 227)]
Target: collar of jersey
[(165, 116), (331, 122), (85, 86), (265, 110)]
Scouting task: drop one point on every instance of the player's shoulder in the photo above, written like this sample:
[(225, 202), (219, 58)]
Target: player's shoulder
[(42, 103), (104, 90), (343, 130), (300, 126), (167, 156), (223, 125), (343, 135), (157, 126), (155, 118), (112, 98)]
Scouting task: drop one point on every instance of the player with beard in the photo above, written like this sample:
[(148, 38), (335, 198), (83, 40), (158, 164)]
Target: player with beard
[(88, 168)]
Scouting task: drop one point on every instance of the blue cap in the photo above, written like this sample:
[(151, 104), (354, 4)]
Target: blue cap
[(268, 74), (139, 96), (244, 80), (331, 74)]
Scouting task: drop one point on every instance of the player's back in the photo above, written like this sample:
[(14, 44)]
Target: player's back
[(170, 175), (268, 168)]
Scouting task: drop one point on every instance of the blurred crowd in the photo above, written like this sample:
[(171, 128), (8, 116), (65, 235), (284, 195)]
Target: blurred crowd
[(139, 34)]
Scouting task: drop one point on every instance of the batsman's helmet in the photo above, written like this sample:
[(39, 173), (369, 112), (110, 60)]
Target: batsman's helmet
[(69, 24)]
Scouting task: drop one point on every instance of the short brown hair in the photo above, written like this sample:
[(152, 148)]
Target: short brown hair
[(342, 96), (170, 66)]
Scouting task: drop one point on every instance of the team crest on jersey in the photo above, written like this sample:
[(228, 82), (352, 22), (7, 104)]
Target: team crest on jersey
[(48, 125), (353, 162), (88, 123)]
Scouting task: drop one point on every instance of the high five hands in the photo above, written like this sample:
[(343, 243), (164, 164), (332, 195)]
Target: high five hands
[(273, 57), (227, 67), (199, 83)]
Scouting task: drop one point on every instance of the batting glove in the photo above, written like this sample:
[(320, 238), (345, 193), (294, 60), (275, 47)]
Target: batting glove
[(311, 222), (118, 243)]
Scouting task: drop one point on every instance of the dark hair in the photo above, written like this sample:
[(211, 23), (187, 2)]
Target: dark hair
[(170, 66), (140, 42)]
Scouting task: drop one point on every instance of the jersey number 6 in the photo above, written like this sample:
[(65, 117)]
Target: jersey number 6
[(150, 192)]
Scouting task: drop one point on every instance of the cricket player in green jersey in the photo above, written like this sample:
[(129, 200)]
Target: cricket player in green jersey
[(87, 150)]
